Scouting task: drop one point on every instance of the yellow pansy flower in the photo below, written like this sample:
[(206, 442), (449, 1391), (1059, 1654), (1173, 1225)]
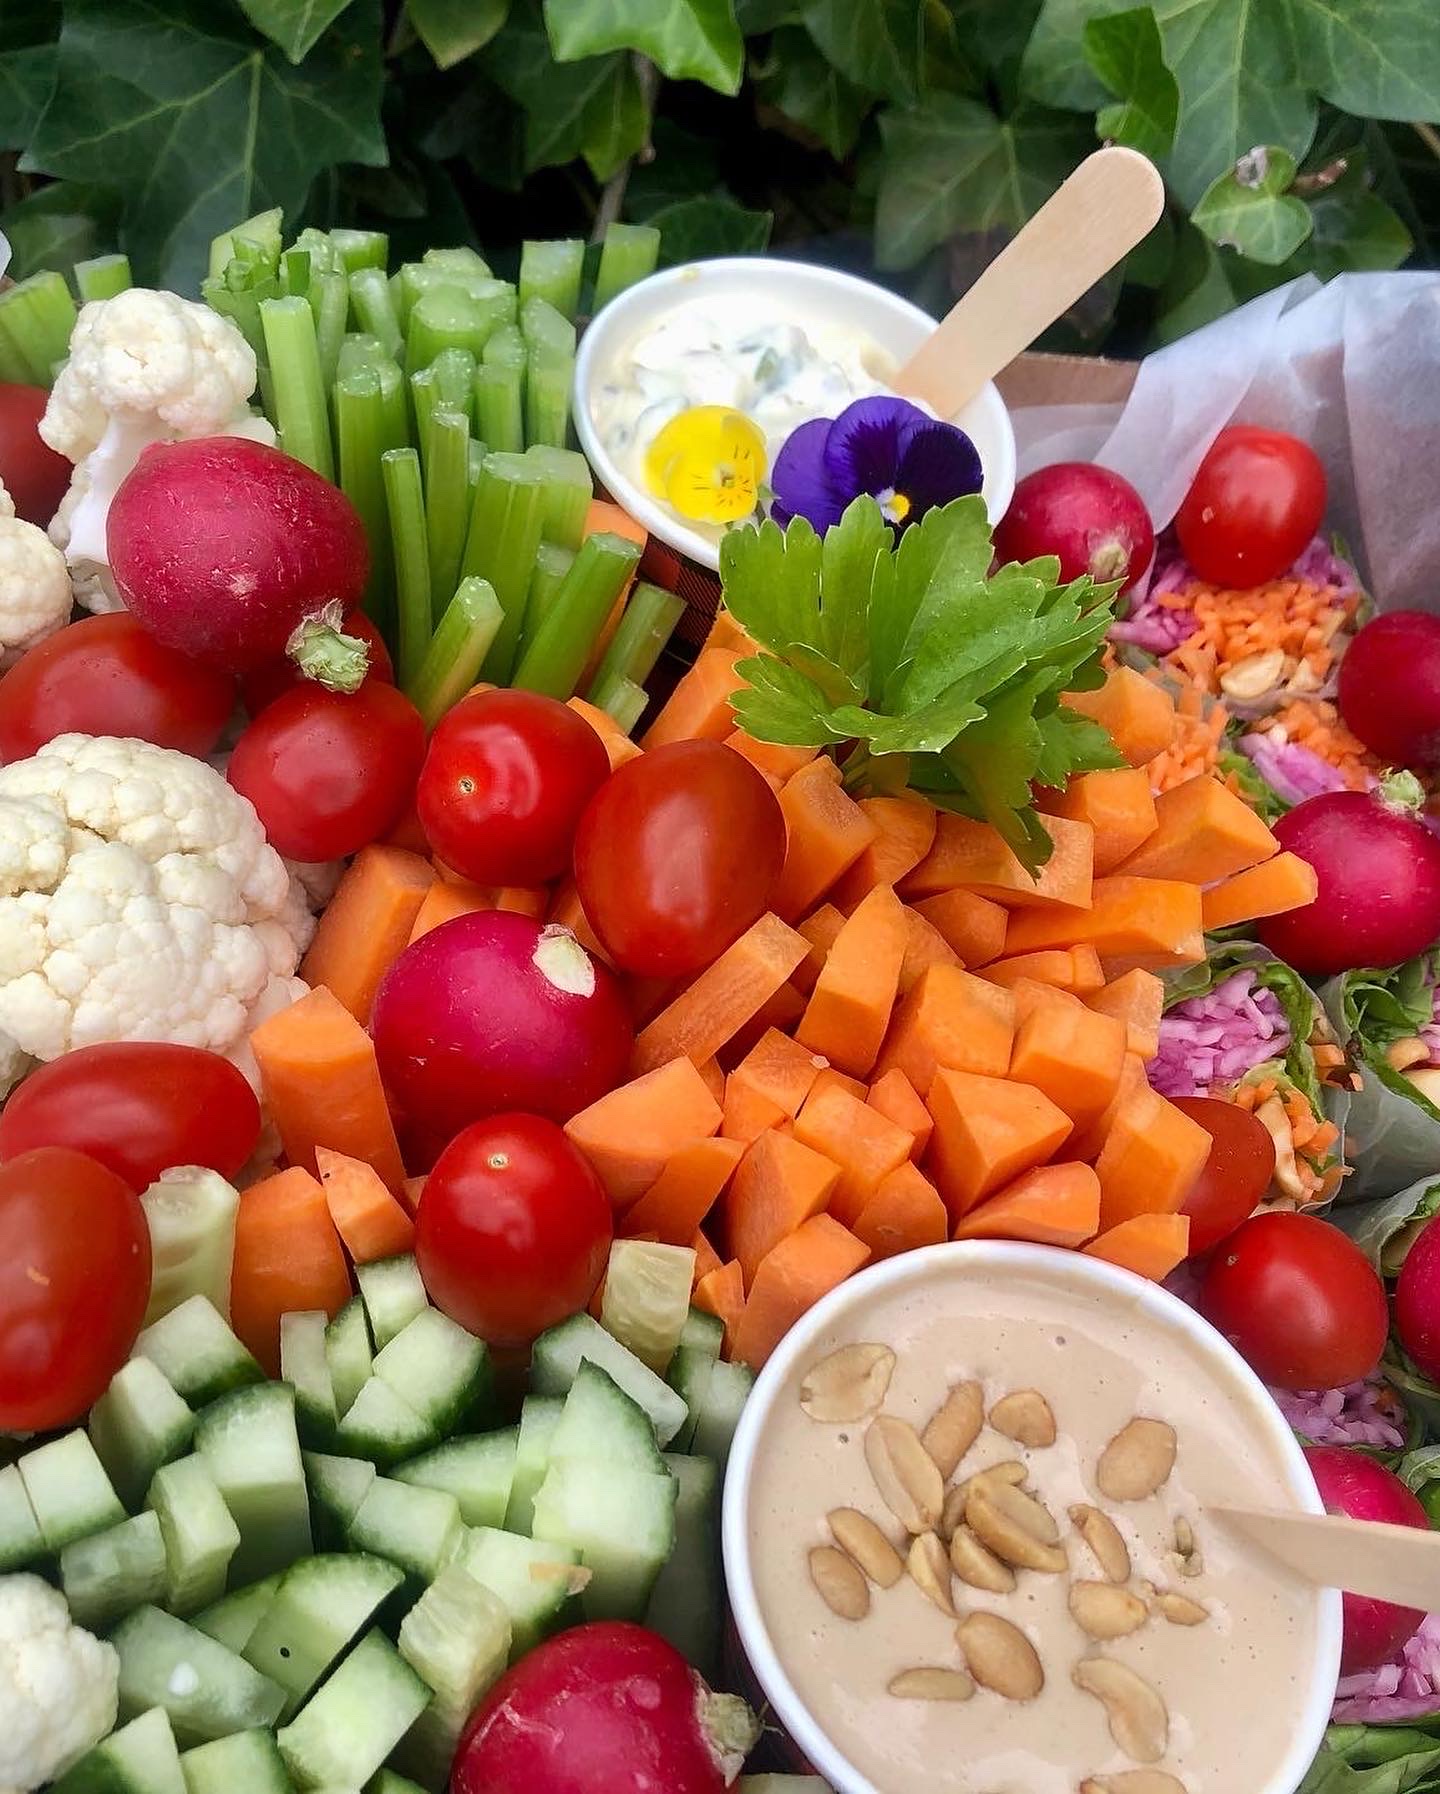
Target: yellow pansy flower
[(708, 462)]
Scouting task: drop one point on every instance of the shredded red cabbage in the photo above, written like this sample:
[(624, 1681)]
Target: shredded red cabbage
[(1319, 565), (1292, 772), (1408, 1687), (1215, 1039), (1158, 628)]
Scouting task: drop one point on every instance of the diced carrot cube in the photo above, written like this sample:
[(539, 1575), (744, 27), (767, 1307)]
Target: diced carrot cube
[(849, 1008), (778, 1184), (826, 832), (866, 1145), (777, 761), (971, 855), (791, 1279), (1203, 832), (973, 926), (904, 834), (898, 1100), (904, 1214), (630, 1134), (925, 946), (822, 929), (709, 1012), (722, 1293), (1150, 1245), (1053, 1205), (1151, 1158), (676, 1204), (950, 1018), (1138, 1000), (987, 1131), (1117, 804), (1138, 715), (1072, 1053)]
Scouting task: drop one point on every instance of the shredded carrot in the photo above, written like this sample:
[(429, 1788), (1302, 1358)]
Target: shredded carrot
[(1196, 743), (1296, 616), (1314, 723)]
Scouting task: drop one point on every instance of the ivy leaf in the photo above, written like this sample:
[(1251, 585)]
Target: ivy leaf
[(1251, 208), (197, 122), (757, 16), (876, 44), (1197, 289), (451, 30), (295, 25), (64, 223), (952, 165), (798, 81), (1126, 52), (1375, 58), (27, 77), (617, 123), (688, 40), (708, 225), (1355, 229), (684, 165), (565, 103)]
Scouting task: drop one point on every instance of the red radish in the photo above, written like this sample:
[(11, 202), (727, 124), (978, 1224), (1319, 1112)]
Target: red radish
[(1378, 868), (608, 1708), (1353, 1484), (1094, 520), (30, 470), (223, 547), (338, 653), (1390, 688), (496, 1011), (1417, 1302)]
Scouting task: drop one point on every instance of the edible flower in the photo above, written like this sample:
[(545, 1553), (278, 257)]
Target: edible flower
[(903, 458), (708, 462)]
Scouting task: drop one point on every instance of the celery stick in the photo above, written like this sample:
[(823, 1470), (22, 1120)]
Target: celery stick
[(447, 516), (544, 328), (457, 650), (358, 350), (648, 623), (568, 492), (405, 499), (397, 404), (15, 366), (375, 309), (500, 405), (324, 258), (39, 315), (504, 347), (552, 563), (296, 271), (459, 260), (423, 399), (102, 277), (444, 318), (552, 271), (454, 373), (329, 298), (475, 453), (304, 424), (360, 442), (629, 253), (500, 546), (261, 233), (495, 298), (621, 699), (555, 655), (360, 248), (548, 378)]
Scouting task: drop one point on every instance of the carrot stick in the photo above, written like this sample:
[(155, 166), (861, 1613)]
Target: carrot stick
[(973, 926), (367, 1217), (722, 1293), (791, 1279), (724, 997), (904, 1214), (629, 1134), (287, 1258), (366, 925), (684, 1193), (972, 856), (826, 832), (866, 1145), (699, 706), (849, 1008), (778, 1184), (904, 834)]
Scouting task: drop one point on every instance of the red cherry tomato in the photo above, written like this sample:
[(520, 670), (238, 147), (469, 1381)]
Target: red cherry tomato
[(504, 784), (30, 470), (108, 676), (678, 853), (136, 1107), (1299, 1300), (329, 772), (513, 1229), (1236, 1174), (74, 1282), (1257, 499), (263, 684)]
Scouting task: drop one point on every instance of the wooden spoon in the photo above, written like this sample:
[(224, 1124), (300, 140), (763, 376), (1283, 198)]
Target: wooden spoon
[(1363, 1557), (1112, 200)]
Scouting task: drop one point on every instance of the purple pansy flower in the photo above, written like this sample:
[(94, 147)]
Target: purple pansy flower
[(905, 459)]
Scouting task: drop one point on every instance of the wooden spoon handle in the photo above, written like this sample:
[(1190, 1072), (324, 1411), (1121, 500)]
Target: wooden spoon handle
[(1364, 1557), (1112, 200)]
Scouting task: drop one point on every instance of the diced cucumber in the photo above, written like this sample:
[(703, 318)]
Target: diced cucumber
[(207, 1690), (383, 1427), (303, 1366), (337, 1487), (537, 1581), (416, 1528), (107, 1574), (20, 1540), (140, 1758), (233, 1619), (394, 1294), (200, 1534), (69, 1492), (558, 1355), (191, 1214), (323, 1603), (647, 1298), (194, 1347), (600, 1423), (689, 1376), (687, 1604), (243, 1763), (725, 1395), (347, 1353), (387, 1782), (457, 1637), (249, 1443), (478, 1472), (702, 1332), (439, 1370), (139, 1424), (621, 1521), (539, 1417), (346, 1730)]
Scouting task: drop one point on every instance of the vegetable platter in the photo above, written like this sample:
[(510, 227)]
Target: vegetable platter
[(447, 1050)]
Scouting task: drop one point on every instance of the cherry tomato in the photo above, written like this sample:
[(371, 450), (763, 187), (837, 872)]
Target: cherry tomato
[(504, 784), (109, 676), (136, 1107), (74, 1282), (263, 684), (1236, 1174), (513, 1229), (678, 853), (329, 772), (1257, 500), (1299, 1300), (30, 470)]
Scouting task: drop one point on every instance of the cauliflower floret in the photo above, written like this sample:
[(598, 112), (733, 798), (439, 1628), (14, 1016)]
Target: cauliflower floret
[(35, 596), (139, 900), (58, 1685)]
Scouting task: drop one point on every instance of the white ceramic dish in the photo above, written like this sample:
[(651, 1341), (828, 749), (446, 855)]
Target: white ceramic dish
[(893, 324), (992, 1261)]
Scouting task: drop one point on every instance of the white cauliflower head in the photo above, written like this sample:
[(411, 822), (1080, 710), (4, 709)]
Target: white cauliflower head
[(58, 1685), (139, 900), (35, 596)]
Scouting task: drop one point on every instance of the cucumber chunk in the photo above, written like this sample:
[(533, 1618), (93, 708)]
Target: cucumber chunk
[(69, 1492), (621, 1521), (394, 1293), (703, 1332), (439, 1370), (199, 1531), (387, 1782), (207, 1690), (107, 1574), (687, 1604), (304, 1367), (600, 1424), (558, 1354), (689, 1376), (140, 1758), (194, 1347), (725, 1395), (347, 1353), (535, 1580), (539, 1417), (233, 1619), (139, 1424), (647, 1298), (457, 1637), (191, 1215), (478, 1471), (418, 1529), (20, 1540), (243, 1763), (383, 1427), (321, 1605), (249, 1443), (337, 1487), (348, 1728)]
